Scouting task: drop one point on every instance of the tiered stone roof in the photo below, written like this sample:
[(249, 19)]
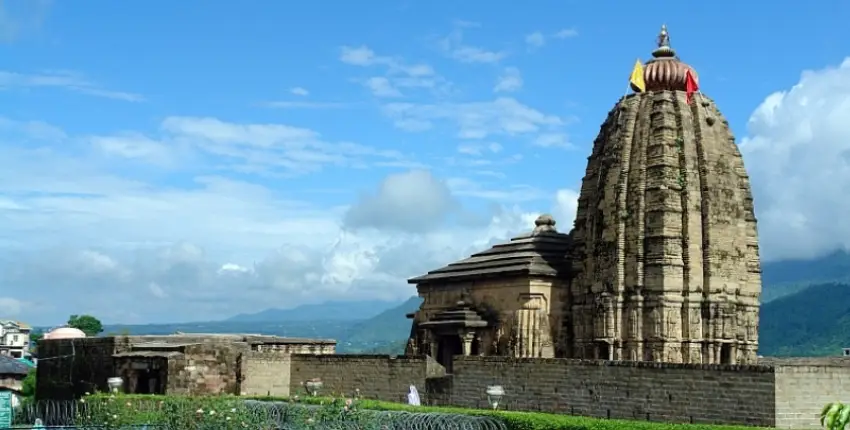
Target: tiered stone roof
[(541, 252)]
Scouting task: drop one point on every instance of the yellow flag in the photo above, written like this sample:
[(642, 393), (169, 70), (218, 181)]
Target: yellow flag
[(636, 79)]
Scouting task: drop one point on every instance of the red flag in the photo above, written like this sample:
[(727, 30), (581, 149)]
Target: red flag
[(690, 85)]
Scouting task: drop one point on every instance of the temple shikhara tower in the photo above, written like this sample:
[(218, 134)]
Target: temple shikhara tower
[(662, 263)]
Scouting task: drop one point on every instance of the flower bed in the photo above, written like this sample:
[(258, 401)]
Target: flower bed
[(229, 412), (208, 412)]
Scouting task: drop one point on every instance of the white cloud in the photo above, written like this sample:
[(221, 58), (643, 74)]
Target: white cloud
[(298, 91), (455, 47), (271, 148), (414, 202), (364, 56), (157, 291), (499, 193), (553, 140), (63, 79), (84, 235), (382, 87), (797, 153), (474, 120), (22, 18), (564, 211), (535, 40), (358, 56), (10, 307), (566, 33), (469, 148), (399, 74), (509, 81), (134, 146), (305, 105)]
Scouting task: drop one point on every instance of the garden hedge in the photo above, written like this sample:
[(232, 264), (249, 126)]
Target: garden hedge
[(183, 409), (527, 420)]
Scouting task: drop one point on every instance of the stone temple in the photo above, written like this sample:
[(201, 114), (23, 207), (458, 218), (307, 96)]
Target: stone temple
[(662, 263)]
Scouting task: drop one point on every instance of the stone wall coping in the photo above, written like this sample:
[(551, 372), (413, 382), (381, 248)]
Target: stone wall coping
[(345, 357), (267, 354), (758, 368), (806, 361), (279, 340)]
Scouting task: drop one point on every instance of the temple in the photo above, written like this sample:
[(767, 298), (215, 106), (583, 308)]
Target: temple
[(662, 263)]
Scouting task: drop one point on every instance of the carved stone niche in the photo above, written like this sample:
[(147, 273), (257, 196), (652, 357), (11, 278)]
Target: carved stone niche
[(454, 332), (534, 336)]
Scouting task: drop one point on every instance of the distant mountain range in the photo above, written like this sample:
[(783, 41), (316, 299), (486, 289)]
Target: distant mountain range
[(804, 313), (358, 327), (327, 311)]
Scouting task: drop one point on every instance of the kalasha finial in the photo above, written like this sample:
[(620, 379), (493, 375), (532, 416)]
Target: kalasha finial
[(663, 37), (544, 223), (664, 50), (664, 71)]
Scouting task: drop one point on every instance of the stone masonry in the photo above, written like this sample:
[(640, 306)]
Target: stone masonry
[(666, 226), (786, 393), (189, 364)]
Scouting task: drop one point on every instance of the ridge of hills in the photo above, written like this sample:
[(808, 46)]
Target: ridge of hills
[(812, 322), (801, 315), (327, 311)]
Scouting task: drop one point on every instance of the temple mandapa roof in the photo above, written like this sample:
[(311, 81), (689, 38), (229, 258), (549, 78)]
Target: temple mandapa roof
[(541, 252)]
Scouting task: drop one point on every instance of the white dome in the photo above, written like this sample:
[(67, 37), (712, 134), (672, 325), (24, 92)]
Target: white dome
[(65, 333)]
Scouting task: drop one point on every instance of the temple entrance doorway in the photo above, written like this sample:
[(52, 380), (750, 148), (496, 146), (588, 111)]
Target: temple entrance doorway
[(447, 348)]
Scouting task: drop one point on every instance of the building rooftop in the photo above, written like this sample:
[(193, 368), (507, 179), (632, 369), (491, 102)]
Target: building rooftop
[(11, 366), (540, 252), (187, 339), (19, 324)]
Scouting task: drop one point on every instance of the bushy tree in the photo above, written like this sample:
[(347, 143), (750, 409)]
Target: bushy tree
[(88, 324), (835, 416), (35, 338), (28, 384)]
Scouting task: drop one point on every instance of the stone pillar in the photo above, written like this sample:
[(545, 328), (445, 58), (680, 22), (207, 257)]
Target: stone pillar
[(431, 341), (638, 335), (467, 338)]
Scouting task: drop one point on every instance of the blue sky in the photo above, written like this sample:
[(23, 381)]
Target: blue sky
[(235, 158)]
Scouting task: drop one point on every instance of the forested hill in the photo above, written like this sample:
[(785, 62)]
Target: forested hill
[(812, 322)]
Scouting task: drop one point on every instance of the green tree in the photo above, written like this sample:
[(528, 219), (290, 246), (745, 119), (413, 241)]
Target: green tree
[(835, 416), (88, 324), (35, 337), (28, 384)]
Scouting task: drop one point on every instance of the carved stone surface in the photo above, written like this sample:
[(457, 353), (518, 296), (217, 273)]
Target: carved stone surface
[(666, 203)]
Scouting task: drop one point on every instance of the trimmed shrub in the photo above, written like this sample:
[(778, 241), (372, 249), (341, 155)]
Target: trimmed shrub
[(232, 412)]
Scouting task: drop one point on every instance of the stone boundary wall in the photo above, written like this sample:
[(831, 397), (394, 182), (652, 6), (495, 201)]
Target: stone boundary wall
[(686, 393), (379, 377), (265, 374), (805, 385)]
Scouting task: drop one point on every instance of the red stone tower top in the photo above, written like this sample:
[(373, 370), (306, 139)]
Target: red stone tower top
[(665, 71)]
